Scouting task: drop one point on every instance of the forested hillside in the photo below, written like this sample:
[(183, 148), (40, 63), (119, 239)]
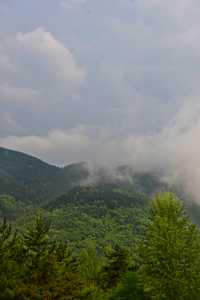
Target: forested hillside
[(29, 179), (161, 262), (71, 235)]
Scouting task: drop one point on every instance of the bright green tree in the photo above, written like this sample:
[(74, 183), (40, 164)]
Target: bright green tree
[(91, 262), (170, 252)]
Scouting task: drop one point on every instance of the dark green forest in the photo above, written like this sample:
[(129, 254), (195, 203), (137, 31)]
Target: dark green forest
[(158, 259), (64, 237)]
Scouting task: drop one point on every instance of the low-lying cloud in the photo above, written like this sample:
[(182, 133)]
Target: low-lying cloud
[(173, 152), (108, 82)]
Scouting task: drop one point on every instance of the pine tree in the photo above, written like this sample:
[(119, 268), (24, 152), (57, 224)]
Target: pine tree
[(39, 262), (50, 270), (8, 266), (114, 269)]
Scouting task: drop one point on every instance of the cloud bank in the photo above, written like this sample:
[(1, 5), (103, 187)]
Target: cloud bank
[(109, 82), (173, 153)]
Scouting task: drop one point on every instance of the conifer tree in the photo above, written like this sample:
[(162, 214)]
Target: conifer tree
[(8, 266), (114, 269), (39, 261)]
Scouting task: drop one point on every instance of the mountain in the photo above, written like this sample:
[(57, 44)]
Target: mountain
[(103, 205), (30, 179), (33, 181), (107, 195)]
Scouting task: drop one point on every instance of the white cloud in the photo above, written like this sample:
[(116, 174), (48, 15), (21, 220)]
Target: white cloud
[(142, 59), (53, 60), (173, 152), (36, 62)]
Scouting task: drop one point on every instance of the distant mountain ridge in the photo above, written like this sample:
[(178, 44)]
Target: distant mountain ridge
[(30, 179)]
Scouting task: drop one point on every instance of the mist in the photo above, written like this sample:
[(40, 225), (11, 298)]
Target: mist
[(105, 82), (173, 152)]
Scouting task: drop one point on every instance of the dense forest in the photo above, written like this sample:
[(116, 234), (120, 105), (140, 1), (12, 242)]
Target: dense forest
[(163, 262), (64, 237)]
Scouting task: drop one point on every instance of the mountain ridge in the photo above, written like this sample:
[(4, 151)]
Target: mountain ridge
[(31, 181), (27, 177)]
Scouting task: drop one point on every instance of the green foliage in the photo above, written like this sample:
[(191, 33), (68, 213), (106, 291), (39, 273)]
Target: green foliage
[(10, 208), (49, 268), (109, 196), (170, 254), (90, 262), (98, 242), (31, 180), (128, 289), (115, 267), (8, 266), (80, 223), (105, 213)]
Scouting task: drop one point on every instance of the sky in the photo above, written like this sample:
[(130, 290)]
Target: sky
[(110, 81)]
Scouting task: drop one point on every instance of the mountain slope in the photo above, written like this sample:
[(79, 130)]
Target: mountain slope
[(107, 195), (29, 179)]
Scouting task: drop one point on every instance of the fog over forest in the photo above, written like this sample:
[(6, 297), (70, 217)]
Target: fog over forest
[(107, 82)]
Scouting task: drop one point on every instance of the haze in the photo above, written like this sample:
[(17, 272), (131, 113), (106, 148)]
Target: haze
[(108, 82)]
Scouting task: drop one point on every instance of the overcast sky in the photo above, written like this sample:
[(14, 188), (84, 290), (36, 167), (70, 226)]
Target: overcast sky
[(101, 80)]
